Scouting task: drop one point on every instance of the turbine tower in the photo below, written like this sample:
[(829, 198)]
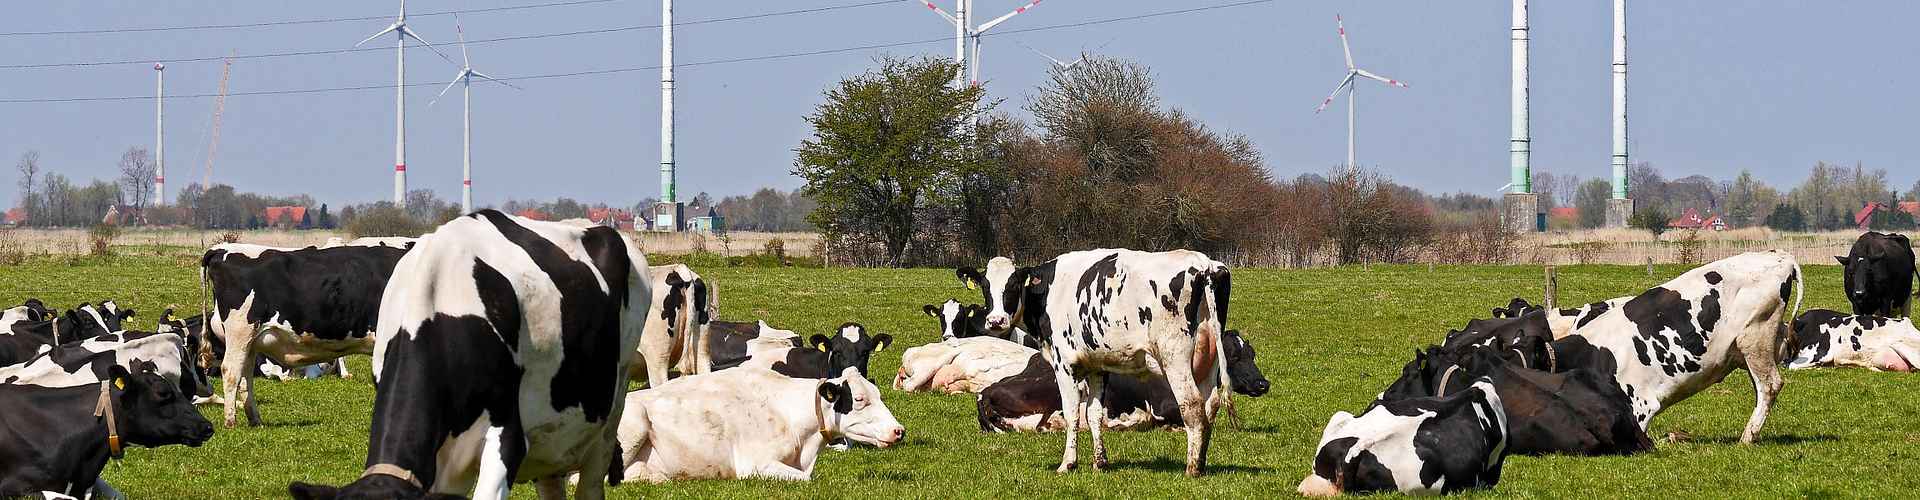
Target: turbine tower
[(1620, 207), (1520, 146), (465, 79), (159, 134), (1347, 83), (964, 32), (401, 33)]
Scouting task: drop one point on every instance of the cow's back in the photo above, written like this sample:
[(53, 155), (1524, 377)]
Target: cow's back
[(1110, 304), (332, 293)]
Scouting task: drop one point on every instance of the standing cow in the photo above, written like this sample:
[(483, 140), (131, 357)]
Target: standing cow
[(501, 357), (1879, 275), (1119, 311), (1681, 337), (676, 336)]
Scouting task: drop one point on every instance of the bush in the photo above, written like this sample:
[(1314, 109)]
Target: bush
[(230, 237), (1651, 219), (100, 239), (383, 220), (777, 248), (12, 251), (1690, 247)]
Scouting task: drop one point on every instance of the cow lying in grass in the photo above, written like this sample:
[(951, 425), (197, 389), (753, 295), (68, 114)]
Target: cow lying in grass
[(1423, 445), (960, 365), (1824, 337), (1575, 411), (59, 439), (748, 423), (1030, 401)]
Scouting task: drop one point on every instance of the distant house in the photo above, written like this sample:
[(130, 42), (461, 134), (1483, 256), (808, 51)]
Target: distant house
[(1566, 213), (1864, 217), (611, 217), (284, 216), (16, 216), (712, 223), (1691, 219), (534, 214), (1911, 207)]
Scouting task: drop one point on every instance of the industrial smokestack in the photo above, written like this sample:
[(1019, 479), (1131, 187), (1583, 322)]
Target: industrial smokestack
[(1620, 188), (159, 134), (1520, 146), (666, 102)]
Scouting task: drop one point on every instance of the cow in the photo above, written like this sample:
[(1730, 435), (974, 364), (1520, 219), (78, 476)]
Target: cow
[(1823, 337), (1681, 337), (296, 307), (87, 362), (1119, 311), (1030, 400), (1515, 308), (960, 365), (61, 438), (851, 347), (1577, 411), (501, 357), (28, 331), (730, 343), (1879, 274), (1518, 320), (1416, 446), (676, 336), (970, 320), (748, 423)]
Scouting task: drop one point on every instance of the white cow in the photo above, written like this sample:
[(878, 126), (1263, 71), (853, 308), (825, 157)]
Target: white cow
[(1830, 338), (960, 365), (676, 334), (748, 423)]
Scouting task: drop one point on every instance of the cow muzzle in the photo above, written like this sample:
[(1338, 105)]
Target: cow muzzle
[(998, 323)]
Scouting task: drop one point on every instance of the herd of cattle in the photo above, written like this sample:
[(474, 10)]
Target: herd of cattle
[(503, 348)]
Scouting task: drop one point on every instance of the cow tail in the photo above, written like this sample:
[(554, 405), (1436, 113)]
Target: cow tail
[(1222, 288), (1799, 287)]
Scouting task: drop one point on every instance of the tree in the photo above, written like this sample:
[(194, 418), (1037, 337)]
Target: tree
[(136, 177), (1592, 202), (1786, 217), (883, 144), (1105, 109), (1650, 218), (29, 167), (325, 220), (1913, 193), (1744, 206)]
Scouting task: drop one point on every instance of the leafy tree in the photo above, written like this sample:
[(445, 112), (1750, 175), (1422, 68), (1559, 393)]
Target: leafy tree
[(884, 145), (1592, 202), (1650, 218), (1786, 217), (1888, 219), (325, 220)]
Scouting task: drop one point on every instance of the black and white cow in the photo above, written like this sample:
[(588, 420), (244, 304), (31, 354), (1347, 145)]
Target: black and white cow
[(298, 307), (1823, 337), (26, 331), (89, 361), (1119, 311), (730, 343), (1681, 337), (59, 439), (962, 365), (1575, 411), (676, 336), (1415, 446), (851, 347), (970, 320), (501, 357), (1030, 400), (1879, 274)]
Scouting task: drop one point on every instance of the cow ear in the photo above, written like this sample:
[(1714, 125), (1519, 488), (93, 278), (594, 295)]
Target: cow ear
[(882, 341), (819, 342), (1843, 260), (829, 391), (119, 376), (930, 310)]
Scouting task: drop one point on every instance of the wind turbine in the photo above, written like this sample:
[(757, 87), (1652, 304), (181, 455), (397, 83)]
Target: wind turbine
[(1348, 84), (1068, 64), (465, 79), (964, 32), (401, 32)]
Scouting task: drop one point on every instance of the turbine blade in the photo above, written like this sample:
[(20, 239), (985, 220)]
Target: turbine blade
[(1382, 79), (996, 21), (389, 29), (1342, 23), (405, 31), (495, 80), (462, 33), (443, 91), (1056, 62), (942, 13), (1344, 82)]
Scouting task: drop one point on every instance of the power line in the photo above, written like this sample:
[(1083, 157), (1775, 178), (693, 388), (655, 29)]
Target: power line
[(264, 24), (769, 57), (599, 31)]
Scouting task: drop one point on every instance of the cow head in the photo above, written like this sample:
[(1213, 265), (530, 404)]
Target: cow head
[(1247, 378), (857, 412), (113, 316), (1424, 376), (153, 411), (852, 348), (956, 320), (1004, 288), (1515, 308)]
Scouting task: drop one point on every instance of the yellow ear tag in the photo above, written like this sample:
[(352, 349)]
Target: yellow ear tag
[(971, 286), (821, 346), (119, 384)]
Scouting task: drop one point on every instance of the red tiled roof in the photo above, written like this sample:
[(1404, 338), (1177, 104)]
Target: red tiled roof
[(1564, 212), (533, 214), (293, 214)]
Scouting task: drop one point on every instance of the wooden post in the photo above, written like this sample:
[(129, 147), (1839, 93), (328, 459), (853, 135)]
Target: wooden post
[(1649, 267), (1553, 289)]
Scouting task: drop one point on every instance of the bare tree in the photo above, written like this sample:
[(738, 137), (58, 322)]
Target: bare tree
[(136, 177), (29, 168)]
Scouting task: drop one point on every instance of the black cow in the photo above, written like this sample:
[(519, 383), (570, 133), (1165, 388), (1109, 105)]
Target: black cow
[(1501, 331), (59, 439), (1421, 445), (503, 346), (851, 348), (32, 330), (727, 342), (1576, 411), (298, 307), (1879, 275), (1515, 308), (1030, 401)]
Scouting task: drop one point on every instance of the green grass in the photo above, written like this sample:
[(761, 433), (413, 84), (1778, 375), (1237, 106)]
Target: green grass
[(1328, 339)]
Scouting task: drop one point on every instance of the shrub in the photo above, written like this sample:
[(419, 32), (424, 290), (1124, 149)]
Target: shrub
[(1690, 247), (100, 239), (12, 251), (777, 248), (1651, 219), (384, 220)]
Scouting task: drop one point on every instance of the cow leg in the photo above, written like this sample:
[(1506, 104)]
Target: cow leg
[(1762, 367), (104, 491), (551, 488), (1186, 392), (235, 367), (594, 468), (246, 388), (1096, 420), (342, 364), (1070, 414), (495, 480)]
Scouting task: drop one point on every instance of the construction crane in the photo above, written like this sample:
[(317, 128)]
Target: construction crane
[(219, 105)]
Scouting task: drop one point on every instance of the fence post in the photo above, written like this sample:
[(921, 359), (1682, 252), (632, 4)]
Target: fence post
[(1553, 289), (1649, 267)]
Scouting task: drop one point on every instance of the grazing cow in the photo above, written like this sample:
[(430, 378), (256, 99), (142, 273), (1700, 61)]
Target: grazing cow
[(1824, 337), (676, 336), (731, 343), (501, 357), (1679, 338), (851, 348), (1030, 401), (296, 307), (59, 439), (1414, 446), (960, 365), (1578, 411), (969, 320), (748, 423), (1879, 275), (1119, 311)]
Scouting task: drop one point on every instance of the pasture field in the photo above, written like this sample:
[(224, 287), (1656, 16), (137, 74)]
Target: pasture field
[(1328, 339)]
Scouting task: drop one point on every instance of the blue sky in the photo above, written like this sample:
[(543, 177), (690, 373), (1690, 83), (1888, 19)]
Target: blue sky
[(1767, 85)]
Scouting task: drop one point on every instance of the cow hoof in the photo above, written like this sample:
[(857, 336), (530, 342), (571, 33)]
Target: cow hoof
[(1065, 468), (1100, 463), (1195, 472)]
